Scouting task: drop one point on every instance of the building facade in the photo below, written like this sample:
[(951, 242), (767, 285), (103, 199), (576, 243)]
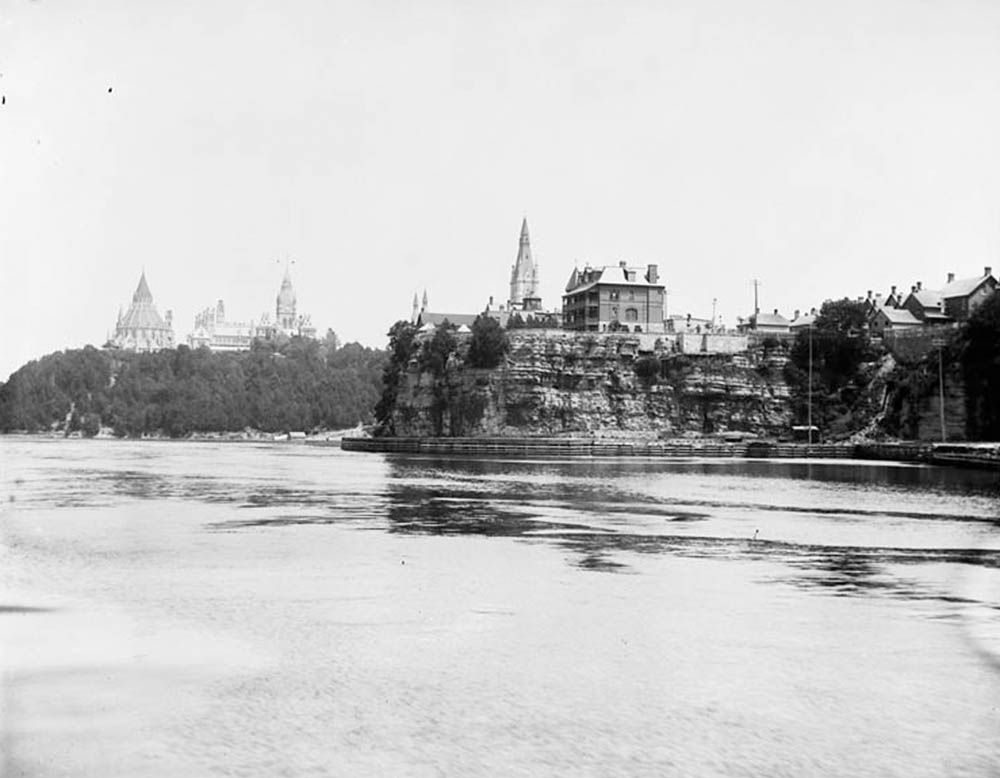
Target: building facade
[(616, 297), (141, 328), (212, 330)]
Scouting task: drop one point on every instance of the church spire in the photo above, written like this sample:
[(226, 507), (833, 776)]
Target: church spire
[(524, 274)]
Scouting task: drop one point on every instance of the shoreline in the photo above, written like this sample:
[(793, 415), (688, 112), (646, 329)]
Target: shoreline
[(978, 455), (985, 455)]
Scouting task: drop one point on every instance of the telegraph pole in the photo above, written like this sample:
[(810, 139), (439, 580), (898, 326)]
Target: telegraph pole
[(939, 342), (809, 412)]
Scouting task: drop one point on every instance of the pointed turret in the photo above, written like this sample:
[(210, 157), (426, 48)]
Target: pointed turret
[(423, 305), (416, 311)]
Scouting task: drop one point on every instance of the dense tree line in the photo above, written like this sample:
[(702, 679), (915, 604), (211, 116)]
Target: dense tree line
[(277, 386)]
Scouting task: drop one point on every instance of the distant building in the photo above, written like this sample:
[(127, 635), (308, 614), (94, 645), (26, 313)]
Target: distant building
[(678, 323), (962, 296), (523, 308), (926, 305), (524, 294), (765, 322), (142, 328), (614, 297), (802, 321), (886, 319), (213, 331)]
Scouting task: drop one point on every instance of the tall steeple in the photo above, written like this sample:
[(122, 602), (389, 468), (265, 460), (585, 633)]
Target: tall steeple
[(416, 310), (524, 273)]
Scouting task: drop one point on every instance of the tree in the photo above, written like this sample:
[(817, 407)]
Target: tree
[(979, 345), (402, 344), (489, 345), (834, 351), (435, 352)]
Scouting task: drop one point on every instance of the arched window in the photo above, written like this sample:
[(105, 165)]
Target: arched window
[(631, 314)]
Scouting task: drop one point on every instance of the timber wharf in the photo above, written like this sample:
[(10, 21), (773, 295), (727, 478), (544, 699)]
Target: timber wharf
[(979, 455)]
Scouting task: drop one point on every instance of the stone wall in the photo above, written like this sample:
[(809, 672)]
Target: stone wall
[(606, 384)]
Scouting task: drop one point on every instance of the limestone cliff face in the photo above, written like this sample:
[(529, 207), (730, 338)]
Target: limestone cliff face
[(562, 383)]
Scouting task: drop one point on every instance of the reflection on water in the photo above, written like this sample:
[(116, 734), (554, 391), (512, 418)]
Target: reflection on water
[(257, 610)]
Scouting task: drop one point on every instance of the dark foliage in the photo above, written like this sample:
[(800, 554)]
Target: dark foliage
[(979, 345), (401, 347), (838, 348), (435, 353), (489, 345), (294, 385), (647, 370)]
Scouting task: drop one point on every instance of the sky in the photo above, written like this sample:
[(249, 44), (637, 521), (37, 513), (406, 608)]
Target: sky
[(384, 148)]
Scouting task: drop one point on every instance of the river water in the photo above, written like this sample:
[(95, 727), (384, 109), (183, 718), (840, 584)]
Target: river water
[(190, 609)]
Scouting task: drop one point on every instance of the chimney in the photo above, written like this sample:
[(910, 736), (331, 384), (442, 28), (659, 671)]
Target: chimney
[(987, 271), (869, 294), (892, 291), (951, 277), (775, 311), (812, 311), (621, 263), (652, 274), (796, 315)]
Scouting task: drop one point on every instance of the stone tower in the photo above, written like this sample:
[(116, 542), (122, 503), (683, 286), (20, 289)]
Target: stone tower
[(524, 276), (285, 305)]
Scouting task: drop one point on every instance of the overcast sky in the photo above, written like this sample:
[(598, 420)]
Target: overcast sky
[(825, 148)]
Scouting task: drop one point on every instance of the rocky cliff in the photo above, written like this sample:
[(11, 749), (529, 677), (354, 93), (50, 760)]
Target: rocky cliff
[(563, 383)]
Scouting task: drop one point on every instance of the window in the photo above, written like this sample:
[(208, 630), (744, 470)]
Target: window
[(631, 314), (613, 294)]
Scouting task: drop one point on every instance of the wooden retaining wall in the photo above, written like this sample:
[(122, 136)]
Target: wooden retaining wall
[(967, 455)]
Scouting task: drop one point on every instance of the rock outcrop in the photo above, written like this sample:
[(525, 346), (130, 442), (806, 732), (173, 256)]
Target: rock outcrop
[(565, 383)]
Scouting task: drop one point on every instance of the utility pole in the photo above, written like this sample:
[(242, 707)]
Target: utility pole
[(809, 412), (939, 342)]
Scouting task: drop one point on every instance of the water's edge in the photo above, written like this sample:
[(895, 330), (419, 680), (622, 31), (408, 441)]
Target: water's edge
[(981, 455)]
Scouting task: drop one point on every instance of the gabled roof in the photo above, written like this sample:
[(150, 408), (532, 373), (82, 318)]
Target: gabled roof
[(805, 320), (928, 298), (769, 320), (458, 319), (899, 316), (963, 287)]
